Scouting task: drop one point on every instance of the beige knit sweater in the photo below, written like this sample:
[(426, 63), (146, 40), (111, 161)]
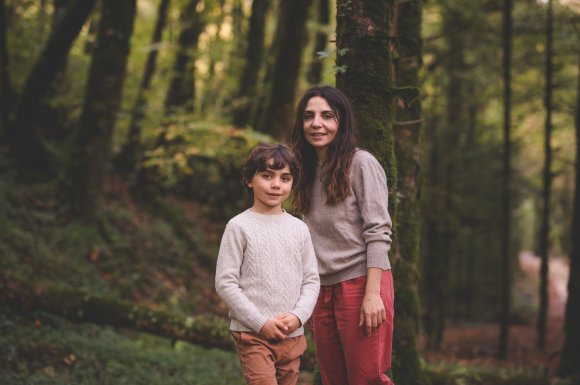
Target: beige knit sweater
[(266, 266)]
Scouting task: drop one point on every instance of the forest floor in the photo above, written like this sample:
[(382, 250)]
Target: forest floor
[(477, 344)]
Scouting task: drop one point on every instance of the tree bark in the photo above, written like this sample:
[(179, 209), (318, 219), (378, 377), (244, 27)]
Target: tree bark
[(505, 289), (290, 42), (89, 162), (181, 92), (547, 177), (405, 255), (6, 92), (132, 151), (314, 75), (25, 141), (254, 55), (81, 306), (570, 360)]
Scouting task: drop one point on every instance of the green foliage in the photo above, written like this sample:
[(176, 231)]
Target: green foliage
[(48, 350), (448, 374), (203, 162)]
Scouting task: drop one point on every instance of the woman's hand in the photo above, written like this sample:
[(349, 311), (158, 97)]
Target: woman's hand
[(372, 311)]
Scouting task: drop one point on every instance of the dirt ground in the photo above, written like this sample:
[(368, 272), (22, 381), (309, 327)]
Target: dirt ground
[(478, 344)]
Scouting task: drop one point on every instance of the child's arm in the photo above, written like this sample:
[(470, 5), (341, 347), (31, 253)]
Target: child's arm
[(310, 287), (227, 280)]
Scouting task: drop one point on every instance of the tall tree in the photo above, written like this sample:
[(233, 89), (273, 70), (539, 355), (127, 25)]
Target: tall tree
[(547, 177), (314, 75), (5, 83), (290, 41), (570, 360), (181, 92), (131, 153), (506, 176), (89, 161), (254, 55), (407, 132), (26, 143)]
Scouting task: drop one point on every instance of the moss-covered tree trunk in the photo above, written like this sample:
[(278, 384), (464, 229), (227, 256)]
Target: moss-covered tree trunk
[(6, 91), (89, 161), (544, 247), (314, 75), (254, 54), (405, 256), (278, 116), (506, 178), (181, 92), (570, 361), (132, 152), (365, 76), (25, 140)]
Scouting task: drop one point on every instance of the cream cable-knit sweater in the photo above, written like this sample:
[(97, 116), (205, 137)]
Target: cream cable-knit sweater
[(354, 234), (266, 266)]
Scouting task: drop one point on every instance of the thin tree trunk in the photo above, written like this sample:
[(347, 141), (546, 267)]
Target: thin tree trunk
[(545, 227), (407, 132), (89, 163), (291, 39), (6, 92), (570, 360), (254, 55), (315, 71), (26, 143), (132, 151), (505, 288), (181, 92)]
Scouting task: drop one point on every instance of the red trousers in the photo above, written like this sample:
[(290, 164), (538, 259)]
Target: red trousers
[(346, 355)]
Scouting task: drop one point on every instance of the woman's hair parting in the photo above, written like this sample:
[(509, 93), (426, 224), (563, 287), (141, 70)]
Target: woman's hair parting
[(335, 171), (268, 156)]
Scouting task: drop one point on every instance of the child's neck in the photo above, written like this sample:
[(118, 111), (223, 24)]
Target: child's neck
[(277, 210)]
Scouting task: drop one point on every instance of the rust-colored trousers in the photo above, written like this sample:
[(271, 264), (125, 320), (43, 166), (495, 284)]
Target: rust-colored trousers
[(267, 362), (346, 355)]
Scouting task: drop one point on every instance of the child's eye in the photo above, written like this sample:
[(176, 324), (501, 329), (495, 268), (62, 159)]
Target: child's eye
[(266, 176), (286, 179)]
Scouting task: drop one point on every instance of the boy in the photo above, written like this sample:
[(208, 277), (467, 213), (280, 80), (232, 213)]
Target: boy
[(267, 273)]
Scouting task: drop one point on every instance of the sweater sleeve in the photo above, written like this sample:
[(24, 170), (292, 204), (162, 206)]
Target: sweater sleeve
[(369, 184), (227, 280), (310, 281)]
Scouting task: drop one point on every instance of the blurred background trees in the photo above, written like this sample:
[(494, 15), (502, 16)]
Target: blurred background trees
[(124, 124)]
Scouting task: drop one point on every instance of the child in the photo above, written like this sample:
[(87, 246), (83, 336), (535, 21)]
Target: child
[(267, 272)]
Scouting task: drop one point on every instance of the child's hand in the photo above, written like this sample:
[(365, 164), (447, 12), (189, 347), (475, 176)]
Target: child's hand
[(290, 320), (274, 329)]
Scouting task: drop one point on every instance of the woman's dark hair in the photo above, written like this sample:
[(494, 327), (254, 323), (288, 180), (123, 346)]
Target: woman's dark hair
[(280, 156), (335, 170)]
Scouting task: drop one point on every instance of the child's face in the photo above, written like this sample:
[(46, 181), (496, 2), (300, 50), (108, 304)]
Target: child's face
[(271, 188)]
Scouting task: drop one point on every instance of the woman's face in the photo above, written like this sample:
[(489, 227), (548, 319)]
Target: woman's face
[(320, 125)]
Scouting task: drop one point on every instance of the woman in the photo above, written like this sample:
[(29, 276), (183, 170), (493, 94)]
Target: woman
[(343, 197)]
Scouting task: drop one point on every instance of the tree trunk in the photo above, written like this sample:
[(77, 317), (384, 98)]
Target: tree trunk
[(25, 141), (254, 55), (314, 75), (365, 76), (89, 162), (181, 92), (505, 293), (407, 131), (131, 154), (290, 42), (545, 224), (212, 83), (570, 360), (6, 92)]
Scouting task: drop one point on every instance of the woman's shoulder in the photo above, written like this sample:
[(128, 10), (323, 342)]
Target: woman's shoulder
[(362, 156)]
